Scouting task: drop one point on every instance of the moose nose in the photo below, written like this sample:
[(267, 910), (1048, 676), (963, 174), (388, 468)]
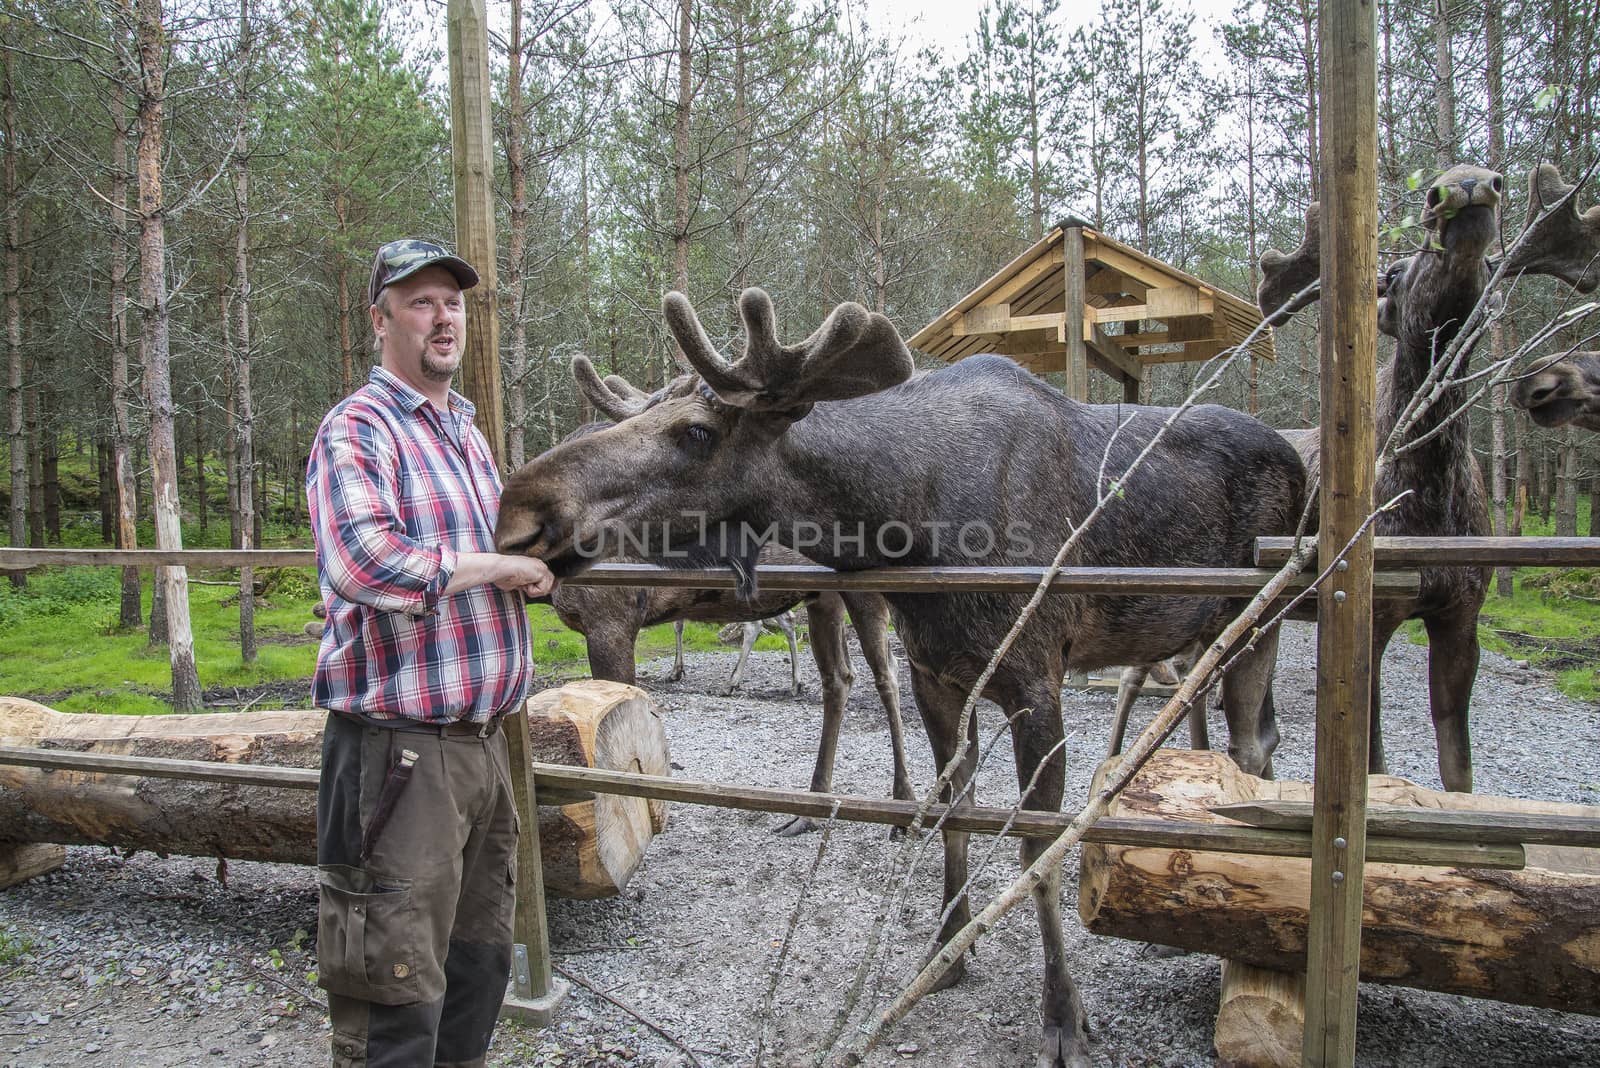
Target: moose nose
[(1467, 186)]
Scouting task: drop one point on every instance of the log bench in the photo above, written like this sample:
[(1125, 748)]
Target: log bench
[(590, 847), (1530, 937)]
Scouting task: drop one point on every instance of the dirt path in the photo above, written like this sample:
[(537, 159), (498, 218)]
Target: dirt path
[(148, 962)]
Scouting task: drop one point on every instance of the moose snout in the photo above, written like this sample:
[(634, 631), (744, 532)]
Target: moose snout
[(518, 542)]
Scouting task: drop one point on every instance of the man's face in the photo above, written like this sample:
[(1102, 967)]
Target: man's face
[(422, 329)]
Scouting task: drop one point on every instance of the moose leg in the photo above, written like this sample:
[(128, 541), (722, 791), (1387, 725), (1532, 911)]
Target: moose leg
[(786, 623), (1128, 688), (940, 705), (1452, 669), (1248, 707), (871, 617), (751, 632), (825, 616), (1036, 739), (1382, 630), (677, 659), (611, 654)]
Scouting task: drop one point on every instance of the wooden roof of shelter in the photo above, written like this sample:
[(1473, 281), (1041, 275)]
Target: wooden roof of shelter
[(1157, 313)]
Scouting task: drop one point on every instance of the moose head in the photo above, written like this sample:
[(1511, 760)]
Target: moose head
[(1562, 391), (1461, 217), (697, 447)]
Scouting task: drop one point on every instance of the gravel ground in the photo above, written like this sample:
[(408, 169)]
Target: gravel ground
[(148, 962)]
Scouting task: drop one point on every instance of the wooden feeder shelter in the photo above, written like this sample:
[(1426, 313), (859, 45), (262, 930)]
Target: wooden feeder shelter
[(1079, 299)]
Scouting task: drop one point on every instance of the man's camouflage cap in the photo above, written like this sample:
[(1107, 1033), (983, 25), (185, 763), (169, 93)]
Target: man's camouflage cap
[(403, 258)]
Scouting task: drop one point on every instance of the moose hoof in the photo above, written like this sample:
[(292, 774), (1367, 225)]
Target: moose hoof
[(1056, 1052), (795, 826), (952, 974)]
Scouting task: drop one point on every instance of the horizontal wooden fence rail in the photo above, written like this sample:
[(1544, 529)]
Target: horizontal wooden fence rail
[(1398, 552), (560, 784), (1175, 581)]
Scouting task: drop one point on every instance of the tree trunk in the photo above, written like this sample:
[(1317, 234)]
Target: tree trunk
[(1308, 62), (1530, 937), (154, 348), (230, 411), (1567, 479), (242, 404), (1545, 483), (260, 468), (347, 367), (1444, 92), (1494, 60), (108, 497), (35, 460), (516, 370), (590, 848), (16, 421), (680, 160), (1524, 474), (197, 421), (124, 479), (49, 453)]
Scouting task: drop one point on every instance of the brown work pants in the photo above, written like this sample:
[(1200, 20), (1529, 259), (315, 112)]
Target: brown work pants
[(414, 940)]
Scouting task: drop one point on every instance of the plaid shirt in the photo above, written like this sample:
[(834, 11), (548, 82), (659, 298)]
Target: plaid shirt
[(395, 494)]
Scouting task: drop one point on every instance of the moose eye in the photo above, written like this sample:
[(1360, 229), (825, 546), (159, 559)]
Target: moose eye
[(696, 436)]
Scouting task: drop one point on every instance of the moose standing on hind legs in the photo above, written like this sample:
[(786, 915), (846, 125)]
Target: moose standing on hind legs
[(835, 433), (1425, 302)]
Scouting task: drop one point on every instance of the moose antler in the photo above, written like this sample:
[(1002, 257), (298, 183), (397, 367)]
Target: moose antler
[(853, 353), (615, 397), (1556, 240), (1284, 277)]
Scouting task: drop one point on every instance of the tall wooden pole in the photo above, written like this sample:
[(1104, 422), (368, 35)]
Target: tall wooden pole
[(537, 993), (472, 164), (1344, 614)]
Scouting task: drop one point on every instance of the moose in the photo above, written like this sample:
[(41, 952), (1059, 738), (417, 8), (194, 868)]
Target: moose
[(977, 463), (1424, 302), (1562, 392), (610, 618)]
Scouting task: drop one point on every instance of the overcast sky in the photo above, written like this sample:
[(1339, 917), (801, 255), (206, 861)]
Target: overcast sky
[(947, 23)]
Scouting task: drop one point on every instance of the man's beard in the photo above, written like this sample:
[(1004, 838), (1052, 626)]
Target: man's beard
[(431, 368)]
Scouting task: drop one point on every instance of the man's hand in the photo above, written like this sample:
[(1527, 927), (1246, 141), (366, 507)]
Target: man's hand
[(527, 574), (522, 573)]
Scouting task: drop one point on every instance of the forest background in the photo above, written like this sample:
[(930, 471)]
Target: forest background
[(193, 190)]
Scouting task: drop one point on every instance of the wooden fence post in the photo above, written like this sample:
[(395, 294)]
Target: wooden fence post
[(536, 992), (1348, 91)]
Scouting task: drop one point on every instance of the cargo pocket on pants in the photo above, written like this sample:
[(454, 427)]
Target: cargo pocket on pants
[(365, 943)]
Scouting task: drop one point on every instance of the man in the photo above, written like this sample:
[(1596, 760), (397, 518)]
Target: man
[(426, 646)]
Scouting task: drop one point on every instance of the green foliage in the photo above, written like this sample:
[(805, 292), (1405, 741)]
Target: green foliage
[(1553, 622), (61, 645)]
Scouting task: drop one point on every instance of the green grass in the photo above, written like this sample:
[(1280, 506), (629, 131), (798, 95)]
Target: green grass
[(13, 947), (61, 643)]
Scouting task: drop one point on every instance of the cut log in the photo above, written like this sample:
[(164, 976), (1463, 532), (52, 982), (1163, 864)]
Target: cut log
[(1261, 1017), (1530, 937), (591, 847), (19, 863)]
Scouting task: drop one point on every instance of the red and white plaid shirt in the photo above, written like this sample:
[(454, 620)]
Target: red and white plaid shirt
[(396, 491)]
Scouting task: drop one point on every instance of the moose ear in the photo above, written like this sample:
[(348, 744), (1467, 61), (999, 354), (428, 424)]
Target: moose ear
[(853, 353), (1285, 276), (1556, 240)]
